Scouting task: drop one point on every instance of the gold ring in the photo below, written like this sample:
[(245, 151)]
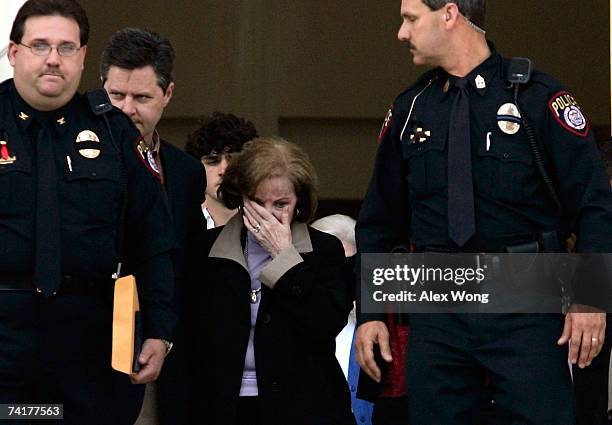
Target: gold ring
[(257, 228), (594, 339)]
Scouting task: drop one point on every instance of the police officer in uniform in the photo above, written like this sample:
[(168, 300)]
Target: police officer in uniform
[(136, 69), (64, 175), (455, 173)]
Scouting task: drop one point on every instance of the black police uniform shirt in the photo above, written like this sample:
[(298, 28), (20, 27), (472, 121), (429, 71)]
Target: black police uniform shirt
[(90, 182), (407, 199)]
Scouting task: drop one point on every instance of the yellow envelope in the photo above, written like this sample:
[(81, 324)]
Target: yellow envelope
[(127, 326)]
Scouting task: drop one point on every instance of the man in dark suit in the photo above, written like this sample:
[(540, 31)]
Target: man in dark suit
[(136, 69)]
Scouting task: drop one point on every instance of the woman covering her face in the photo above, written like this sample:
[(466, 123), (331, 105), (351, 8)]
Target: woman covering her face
[(273, 298)]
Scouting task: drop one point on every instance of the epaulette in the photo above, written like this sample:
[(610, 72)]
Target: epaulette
[(426, 77), (541, 78), (117, 113), (408, 96), (118, 117), (100, 97), (423, 80)]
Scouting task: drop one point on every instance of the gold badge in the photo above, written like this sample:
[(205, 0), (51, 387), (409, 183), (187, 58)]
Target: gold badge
[(61, 121), (142, 149), (5, 156), (88, 136), (23, 116), (509, 118), (420, 136)]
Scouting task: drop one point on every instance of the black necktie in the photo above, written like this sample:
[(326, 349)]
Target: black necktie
[(47, 269), (461, 221)]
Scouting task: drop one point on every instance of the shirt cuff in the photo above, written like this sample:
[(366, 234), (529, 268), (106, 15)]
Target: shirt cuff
[(276, 268)]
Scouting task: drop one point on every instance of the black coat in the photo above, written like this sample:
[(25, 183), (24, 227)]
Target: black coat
[(304, 305), (185, 184)]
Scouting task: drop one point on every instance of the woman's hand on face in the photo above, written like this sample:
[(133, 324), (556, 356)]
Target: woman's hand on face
[(273, 235)]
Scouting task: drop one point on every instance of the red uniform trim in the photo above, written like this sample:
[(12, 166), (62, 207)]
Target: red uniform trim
[(386, 125)]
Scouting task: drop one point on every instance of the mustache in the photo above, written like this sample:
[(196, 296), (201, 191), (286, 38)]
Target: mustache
[(52, 71), (411, 46)]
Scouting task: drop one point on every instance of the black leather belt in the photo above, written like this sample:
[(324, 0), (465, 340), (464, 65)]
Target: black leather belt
[(527, 243), (16, 282), (71, 285)]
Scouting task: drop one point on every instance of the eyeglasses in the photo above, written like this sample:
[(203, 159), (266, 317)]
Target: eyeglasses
[(44, 49)]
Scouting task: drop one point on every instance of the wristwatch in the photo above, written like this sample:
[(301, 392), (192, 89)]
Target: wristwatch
[(168, 345)]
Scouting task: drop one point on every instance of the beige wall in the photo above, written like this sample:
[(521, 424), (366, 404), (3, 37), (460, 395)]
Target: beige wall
[(9, 10), (323, 72)]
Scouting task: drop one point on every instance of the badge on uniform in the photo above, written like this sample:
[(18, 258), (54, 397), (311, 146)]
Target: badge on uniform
[(147, 158), (386, 125), (86, 144), (420, 135), (142, 149), (509, 118), (5, 156), (568, 113)]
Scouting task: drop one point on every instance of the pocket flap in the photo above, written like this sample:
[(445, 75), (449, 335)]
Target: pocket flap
[(18, 164), (94, 169), (507, 149), (421, 140)]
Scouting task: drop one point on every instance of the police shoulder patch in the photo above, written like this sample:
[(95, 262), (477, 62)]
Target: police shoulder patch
[(568, 113), (386, 125), (143, 154)]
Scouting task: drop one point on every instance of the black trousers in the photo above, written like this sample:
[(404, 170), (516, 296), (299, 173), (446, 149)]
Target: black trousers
[(177, 393), (57, 350), (248, 411), (449, 357), (128, 398), (390, 411)]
